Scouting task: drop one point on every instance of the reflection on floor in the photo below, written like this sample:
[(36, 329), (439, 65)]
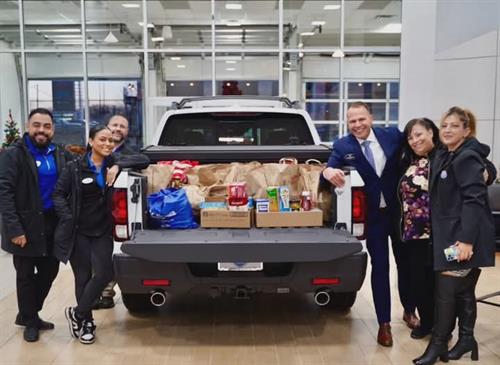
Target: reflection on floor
[(278, 329)]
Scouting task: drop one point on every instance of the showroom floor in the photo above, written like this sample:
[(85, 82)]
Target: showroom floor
[(198, 330)]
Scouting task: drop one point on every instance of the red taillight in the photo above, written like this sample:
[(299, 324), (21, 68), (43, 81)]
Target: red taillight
[(156, 282), (358, 206), (325, 281), (120, 214), (359, 213)]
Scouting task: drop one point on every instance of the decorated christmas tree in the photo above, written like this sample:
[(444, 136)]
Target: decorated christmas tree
[(11, 131)]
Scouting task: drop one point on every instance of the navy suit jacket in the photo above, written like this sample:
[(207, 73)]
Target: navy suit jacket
[(347, 152)]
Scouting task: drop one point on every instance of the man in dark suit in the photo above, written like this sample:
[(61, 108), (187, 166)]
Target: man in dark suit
[(375, 153), (28, 174)]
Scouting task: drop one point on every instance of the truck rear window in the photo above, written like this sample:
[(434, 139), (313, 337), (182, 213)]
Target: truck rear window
[(210, 129)]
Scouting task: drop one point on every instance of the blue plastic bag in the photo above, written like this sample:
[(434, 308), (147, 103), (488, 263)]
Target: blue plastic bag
[(170, 208)]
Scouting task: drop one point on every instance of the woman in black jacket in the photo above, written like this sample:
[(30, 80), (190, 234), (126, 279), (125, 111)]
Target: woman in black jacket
[(461, 219), (83, 203)]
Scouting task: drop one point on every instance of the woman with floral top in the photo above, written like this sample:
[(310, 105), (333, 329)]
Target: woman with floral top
[(420, 142)]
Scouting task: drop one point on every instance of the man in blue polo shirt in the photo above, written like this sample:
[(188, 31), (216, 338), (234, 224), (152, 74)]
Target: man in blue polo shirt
[(28, 174)]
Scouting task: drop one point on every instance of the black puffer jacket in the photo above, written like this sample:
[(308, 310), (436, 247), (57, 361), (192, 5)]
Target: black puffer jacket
[(459, 205), (21, 206), (67, 199)]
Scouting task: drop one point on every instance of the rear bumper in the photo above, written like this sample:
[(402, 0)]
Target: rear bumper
[(130, 273)]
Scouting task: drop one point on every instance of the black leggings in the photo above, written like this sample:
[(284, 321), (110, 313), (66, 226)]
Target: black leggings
[(91, 261)]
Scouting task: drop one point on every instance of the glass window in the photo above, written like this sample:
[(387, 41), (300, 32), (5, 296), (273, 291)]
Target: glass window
[(11, 90), (311, 23), (366, 90), (322, 90), (207, 129), (327, 132), (180, 74), (179, 24), (323, 111), (247, 74), (394, 90), (116, 87), (251, 23), (393, 111), (113, 24), (372, 23), (55, 82), (9, 25), (52, 24)]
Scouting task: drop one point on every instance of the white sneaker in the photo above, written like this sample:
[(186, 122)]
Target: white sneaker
[(75, 325), (87, 333)]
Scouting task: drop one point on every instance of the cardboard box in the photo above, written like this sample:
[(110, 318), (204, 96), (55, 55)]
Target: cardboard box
[(311, 218), (223, 218)]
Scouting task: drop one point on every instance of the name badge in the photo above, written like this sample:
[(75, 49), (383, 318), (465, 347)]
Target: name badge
[(38, 163), (87, 180), (443, 174), (349, 157)]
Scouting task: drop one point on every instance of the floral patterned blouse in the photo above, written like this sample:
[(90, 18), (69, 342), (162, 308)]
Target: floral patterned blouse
[(414, 190)]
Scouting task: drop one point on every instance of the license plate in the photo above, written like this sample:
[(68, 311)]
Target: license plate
[(240, 266)]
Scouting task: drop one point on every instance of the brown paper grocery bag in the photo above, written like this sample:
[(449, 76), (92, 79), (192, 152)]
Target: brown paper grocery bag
[(158, 177)]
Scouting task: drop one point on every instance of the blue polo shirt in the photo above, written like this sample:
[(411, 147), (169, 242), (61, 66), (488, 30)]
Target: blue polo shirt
[(99, 172), (47, 171)]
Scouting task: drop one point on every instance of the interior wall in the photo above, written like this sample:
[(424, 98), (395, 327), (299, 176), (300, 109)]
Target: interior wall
[(444, 63)]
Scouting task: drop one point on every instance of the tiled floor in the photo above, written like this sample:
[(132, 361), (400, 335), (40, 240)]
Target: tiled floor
[(198, 330)]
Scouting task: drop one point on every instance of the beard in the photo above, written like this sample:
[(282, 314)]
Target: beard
[(39, 144)]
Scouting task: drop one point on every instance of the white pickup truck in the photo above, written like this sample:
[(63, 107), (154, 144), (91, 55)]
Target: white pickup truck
[(328, 262)]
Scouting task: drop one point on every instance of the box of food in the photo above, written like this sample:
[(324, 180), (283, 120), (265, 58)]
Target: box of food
[(224, 218), (311, 218)]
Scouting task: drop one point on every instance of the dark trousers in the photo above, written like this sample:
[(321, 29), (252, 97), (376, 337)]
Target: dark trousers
[(34, 276), (380, 226), (422, 279), (455, 296), (91, 261)]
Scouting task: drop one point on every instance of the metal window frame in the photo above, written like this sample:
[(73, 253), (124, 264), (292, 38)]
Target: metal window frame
[(145, 50)]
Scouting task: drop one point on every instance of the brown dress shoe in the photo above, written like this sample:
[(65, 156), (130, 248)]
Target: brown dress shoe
[(411, 320), (384, 336)]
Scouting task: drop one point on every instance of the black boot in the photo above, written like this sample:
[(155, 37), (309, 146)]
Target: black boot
[(467, 313), (436, 349), (446, 288)]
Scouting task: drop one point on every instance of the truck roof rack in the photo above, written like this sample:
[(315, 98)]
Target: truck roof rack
[(185, 103)]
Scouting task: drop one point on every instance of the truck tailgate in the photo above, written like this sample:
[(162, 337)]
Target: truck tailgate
[(248, 245)]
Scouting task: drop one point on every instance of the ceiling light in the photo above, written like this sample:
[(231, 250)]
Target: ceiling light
[(181, 66), (172, 84), (157, 39), (131, 5), (331, 7), (110, 38), (228, 84), (318, 22), (61, 30), (247, 84), (360, 84), (230, 69), (303, 34), (72, 36), (233, 23), (338, 54), (378, 84), (233, 6), (301, 54), (175, 58), (231, 61), (150, 25), (191, 84), (389, 28)]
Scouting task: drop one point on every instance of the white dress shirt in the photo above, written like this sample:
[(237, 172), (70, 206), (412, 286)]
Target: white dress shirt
[(378, 156)]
